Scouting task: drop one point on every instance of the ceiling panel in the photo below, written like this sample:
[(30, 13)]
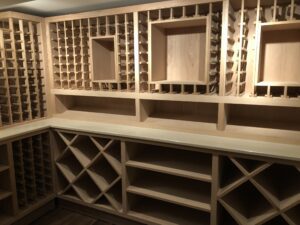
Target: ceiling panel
[(60, 7)]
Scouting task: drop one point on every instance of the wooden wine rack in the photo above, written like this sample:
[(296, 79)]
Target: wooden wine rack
[(71, 52), (7, 197), (26, 171), (148, 45), (33, 169), (89, 169), (21, 71), (191, 186)]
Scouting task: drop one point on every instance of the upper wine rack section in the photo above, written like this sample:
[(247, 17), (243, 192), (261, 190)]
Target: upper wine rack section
[(22, 87), (108, 39), (229, 47)]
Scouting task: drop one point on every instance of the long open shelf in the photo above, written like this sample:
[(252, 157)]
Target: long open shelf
[(264, 116), (189, 164), (181, 191), (146, 209)]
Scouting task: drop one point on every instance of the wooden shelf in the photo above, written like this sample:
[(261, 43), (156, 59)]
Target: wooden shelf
[(146, 210), (190, 193), (285, 47), (86, 188), (264, 116), (189, 164), (102, 173)]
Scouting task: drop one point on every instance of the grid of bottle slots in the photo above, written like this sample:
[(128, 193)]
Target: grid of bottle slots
[(70, 41), (33, 169), (242, 24), (22, 94), (89, 169), (6, 191), (212, 10)]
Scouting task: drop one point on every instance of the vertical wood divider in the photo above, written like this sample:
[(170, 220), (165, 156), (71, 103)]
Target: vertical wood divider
[(214, 190), (124, 159), (224, 47)]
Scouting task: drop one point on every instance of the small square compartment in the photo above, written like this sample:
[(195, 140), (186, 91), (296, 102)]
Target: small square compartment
[(278, 53), (104, 58), (173, 58)]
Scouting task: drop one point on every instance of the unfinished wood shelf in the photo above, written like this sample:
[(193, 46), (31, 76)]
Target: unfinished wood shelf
[(277, 65), (179, 65)]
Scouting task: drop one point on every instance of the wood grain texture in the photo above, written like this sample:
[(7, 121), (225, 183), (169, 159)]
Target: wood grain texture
[(280, 55), (104, 58)]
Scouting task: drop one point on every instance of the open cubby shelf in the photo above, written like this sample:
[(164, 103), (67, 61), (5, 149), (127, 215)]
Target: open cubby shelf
[(277, 65), (109, 106), (177, 190), (147, 209), (189, 164), (89, 169), (180, 111), (274, 117)]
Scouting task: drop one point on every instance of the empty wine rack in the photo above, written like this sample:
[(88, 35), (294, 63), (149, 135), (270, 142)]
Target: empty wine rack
[(7, 206), (22, 95), (167, 60), (108, 38), (33, 169), (258, 192), (256, 30), (191, 186), (89, 169)]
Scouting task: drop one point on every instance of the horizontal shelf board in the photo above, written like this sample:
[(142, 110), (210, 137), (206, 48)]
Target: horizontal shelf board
[(110, 94), (248, 100), (179, 82), (169, 198), (3, 168), (152, 219), (5, 194), (169, 170), (288, 84)]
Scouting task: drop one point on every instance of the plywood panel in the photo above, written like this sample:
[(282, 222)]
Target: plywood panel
[(280, 52), (186, 54), (158, 50), (104, 58)]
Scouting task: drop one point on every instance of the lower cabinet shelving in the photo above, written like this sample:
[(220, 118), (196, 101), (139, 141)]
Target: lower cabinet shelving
[(160, 212), (152, 183)]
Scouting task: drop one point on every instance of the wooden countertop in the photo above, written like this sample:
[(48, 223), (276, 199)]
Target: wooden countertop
[(226, 144)]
